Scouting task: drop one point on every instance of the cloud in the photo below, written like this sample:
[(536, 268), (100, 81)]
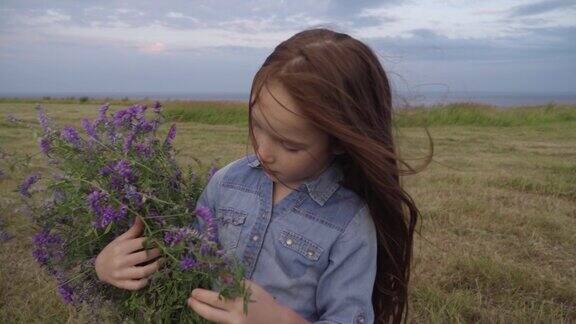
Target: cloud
[(156, 47), (426, 44), (342, 8), (238, 34), (541, 7)]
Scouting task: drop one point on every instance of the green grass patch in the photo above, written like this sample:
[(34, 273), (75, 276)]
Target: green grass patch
[(562, 187), (498, 225), (484, 115), (208, 115), (508, 287)]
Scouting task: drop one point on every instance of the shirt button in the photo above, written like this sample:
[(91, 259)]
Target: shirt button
[(360, 319), (310, 253), (255, 238), (289, 241)]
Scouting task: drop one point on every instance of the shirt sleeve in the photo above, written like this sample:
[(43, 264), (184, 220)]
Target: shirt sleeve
[(344, 293)]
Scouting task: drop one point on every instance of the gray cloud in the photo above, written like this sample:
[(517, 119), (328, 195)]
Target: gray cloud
[(541, 7), (426, 44), (348, 8), (104, 51)]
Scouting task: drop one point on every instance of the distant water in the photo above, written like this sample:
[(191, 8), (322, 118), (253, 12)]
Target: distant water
[(502, 99)]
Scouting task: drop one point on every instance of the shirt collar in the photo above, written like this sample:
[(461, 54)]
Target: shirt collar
[(322, 187)]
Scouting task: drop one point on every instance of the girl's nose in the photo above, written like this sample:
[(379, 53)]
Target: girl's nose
[(265, 152)]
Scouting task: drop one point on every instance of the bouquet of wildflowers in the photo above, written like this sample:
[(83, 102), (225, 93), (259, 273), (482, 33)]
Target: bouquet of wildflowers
[(99, 180)]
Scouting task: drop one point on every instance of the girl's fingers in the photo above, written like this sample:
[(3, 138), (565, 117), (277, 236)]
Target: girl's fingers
[(130, 245), (210, 297), (140, 272), (133, 284), (134, 231), (208, 312), (141, 257)]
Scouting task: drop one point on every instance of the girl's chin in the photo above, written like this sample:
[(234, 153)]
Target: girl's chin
[(271, 176)]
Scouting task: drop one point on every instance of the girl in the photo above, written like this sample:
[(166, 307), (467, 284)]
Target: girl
[(317, 216)]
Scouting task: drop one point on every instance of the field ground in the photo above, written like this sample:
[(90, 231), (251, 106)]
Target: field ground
[(497, 237)]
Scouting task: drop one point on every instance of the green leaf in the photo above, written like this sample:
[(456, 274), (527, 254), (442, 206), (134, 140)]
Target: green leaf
[(108, 228)]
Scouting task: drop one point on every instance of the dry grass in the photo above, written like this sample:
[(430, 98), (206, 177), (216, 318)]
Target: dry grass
[(497, 234)]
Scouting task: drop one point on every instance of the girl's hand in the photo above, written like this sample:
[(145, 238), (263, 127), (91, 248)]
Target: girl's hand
[(262, 308), (117, 263)]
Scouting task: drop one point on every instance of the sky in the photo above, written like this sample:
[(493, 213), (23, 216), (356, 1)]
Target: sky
[(217, 46)]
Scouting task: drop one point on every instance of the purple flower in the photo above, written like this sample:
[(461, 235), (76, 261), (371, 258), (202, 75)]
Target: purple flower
[(157, 107), (175, 236), (145, 126), (95, 200), (41, 256), (124, 169), (104, 214), (5, 236), (44, 238), (143, 150), (70, 135), (102, 111), (188, 262), (137, 111), (121, 117), (27, 183), (172, 238), (171, 135), (89, 128), (116, 183), (107, 169), (45, 145), (102, 118), (43, 119), (46, 247), (66, 292), (122, 172), (109, 215), (133, 195), (210, 227), (128, 141), (124, 117), (112, 135)]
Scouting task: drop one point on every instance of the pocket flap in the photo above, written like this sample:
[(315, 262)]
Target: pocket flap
[(231, 216), (301, 245)]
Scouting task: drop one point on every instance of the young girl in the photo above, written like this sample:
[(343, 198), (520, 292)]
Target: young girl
[(317, 216)]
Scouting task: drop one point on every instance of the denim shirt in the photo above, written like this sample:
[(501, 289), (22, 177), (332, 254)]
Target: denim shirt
[(314, 251)]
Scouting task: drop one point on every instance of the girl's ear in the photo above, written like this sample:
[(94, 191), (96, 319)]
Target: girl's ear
[(337, 149)]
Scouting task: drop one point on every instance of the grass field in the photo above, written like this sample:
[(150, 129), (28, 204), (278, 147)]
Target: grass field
[(496, 243)]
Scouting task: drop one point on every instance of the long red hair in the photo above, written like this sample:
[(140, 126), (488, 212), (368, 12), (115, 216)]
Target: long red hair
[(340, 85)]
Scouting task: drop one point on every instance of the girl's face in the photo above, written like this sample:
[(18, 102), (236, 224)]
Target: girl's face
[(289, 147)]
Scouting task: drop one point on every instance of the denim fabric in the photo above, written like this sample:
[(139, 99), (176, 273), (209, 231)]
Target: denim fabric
[(314, 251)]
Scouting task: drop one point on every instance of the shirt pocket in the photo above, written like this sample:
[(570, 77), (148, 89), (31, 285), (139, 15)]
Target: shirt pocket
[(297, 254), (230, 222)]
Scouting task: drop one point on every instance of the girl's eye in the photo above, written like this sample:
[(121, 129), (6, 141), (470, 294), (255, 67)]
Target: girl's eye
[(290, 149)]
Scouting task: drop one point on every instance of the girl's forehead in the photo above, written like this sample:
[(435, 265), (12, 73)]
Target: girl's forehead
[(283, 115)]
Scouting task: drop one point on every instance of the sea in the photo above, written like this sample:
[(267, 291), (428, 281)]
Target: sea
[(401, 99)]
